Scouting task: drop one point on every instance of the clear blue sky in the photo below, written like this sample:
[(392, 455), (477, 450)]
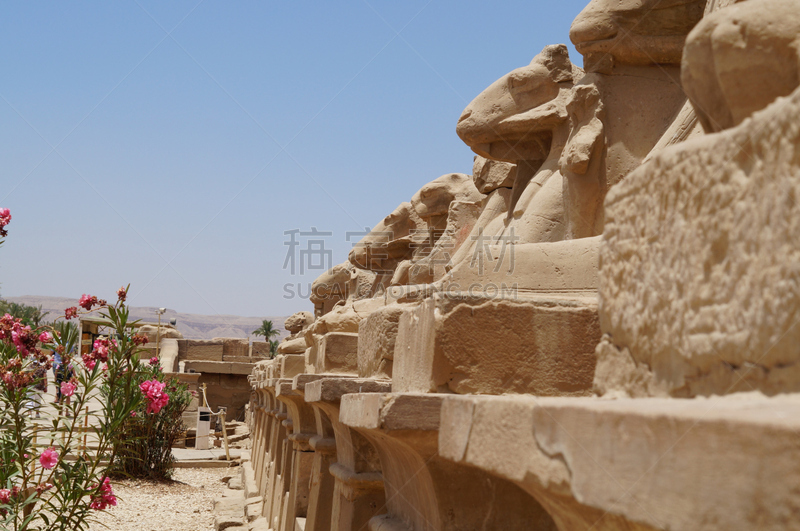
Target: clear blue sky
[(171, 144)]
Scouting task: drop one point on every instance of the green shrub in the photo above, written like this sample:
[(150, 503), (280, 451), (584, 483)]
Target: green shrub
[(144, 448)]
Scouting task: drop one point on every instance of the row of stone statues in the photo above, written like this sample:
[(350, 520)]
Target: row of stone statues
[(629, 230)]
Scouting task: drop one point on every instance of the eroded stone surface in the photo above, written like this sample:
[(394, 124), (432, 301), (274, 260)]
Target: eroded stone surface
[(700, 282), (637, 464), (377, 335), (543, 346)]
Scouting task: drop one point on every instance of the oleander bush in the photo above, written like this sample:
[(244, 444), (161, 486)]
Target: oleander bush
[(148, 435), (49, 478)]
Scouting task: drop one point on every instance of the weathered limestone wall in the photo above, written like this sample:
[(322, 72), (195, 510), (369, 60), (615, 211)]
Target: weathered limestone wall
[(221, 364), (700, 267)]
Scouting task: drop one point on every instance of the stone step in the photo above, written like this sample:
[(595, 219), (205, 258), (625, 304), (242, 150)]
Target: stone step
[(632, 463)]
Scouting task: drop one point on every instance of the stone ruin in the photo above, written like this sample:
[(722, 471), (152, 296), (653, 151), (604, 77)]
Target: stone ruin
[(222, 365), (598, 331)]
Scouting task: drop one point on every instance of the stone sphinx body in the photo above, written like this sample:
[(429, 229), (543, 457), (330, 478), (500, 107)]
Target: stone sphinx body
[(574, 136), (524, 118), (740, 59), (412, 244), (295, 343), (634, 32)]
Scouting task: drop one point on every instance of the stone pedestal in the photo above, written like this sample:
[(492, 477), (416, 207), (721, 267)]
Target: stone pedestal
[(542, 345), (638, 464), (299, 454), (423, 490), (357, 491), (338, 353)]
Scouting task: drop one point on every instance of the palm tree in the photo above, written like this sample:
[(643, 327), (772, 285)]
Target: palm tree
[(30, 315), (267, 329), (273, 347)]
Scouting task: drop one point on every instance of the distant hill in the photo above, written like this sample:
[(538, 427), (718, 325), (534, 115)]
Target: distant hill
[(191, 325)]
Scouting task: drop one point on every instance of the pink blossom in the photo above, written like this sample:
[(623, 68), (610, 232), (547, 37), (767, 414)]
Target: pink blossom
[(154, 361), (87, 301), (48, 458), (43, 487), (154, 392), (45, 337), (5, 219), (5, 496), (139, 339), (100, 352), (88, 361), (68, 388), (122, 293), (105, 498), (101, 349), (71, 312), (23, 340)]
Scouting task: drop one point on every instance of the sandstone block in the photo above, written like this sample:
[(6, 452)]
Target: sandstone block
[(338, 352), (234, 347), (201, 349), (332, 389), (219, 367), (260, 349), (376, 339), (291, 365), (539, 345), (606, 465), (699, 285)]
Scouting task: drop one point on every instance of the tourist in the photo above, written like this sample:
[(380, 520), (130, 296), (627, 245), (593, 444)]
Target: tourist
[(57, 374), (38, 387)]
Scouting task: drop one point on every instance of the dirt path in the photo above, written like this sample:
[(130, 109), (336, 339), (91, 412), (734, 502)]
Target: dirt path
[(183, 505)]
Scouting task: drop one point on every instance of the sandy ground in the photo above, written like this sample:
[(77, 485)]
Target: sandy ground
[(185, 504)]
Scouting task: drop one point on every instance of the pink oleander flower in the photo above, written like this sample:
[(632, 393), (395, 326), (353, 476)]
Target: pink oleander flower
[(101, 349), (43, 487), (154, 361), (122, 293), (6, 324), (23, 339), (5, 219), (87, 301), (71, 312), (48, 458), (139, 339), (68, 388), (5, 496), (105, 498), (45, 337), (88, 361), (154, 392)]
